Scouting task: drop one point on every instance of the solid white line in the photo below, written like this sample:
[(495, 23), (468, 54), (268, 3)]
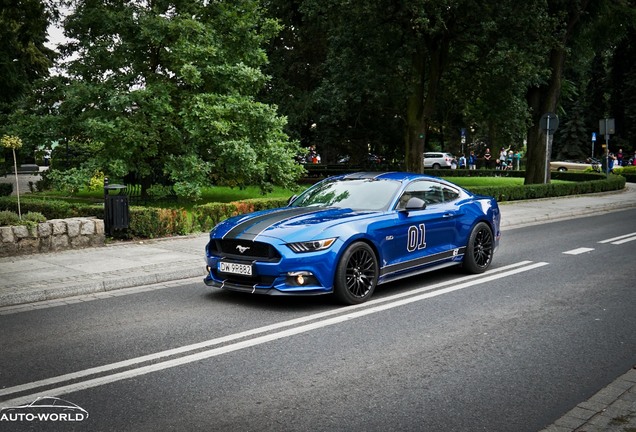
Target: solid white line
[(261, 339), (578, 251), (624, 240), (244, 334), (617, 238)]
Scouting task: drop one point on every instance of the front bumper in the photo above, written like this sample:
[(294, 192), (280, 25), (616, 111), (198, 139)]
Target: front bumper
[(292, 274), (279, 290)]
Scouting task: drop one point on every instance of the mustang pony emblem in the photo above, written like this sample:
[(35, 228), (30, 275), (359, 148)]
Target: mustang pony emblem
[(242, 249)]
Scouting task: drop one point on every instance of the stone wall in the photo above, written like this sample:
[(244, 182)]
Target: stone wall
[(51, 236)]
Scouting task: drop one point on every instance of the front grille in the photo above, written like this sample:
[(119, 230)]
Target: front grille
[(251, 250)]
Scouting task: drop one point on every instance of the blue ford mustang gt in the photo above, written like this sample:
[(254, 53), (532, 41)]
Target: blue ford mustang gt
[(346, 234)]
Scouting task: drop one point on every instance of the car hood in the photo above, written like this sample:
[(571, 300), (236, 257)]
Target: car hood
[(288, 224)]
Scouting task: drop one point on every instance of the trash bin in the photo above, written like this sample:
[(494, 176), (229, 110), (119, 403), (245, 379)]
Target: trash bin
[(116, 212)]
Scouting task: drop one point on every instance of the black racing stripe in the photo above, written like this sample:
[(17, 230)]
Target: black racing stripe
[(421, 261), (257, 224)]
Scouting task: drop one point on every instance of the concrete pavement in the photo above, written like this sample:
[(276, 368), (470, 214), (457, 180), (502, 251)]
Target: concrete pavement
[(31, 281)]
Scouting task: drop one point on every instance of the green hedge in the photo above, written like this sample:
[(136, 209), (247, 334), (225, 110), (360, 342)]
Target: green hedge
[(146, 222), (151, 222), (513, 193), (52, 208)]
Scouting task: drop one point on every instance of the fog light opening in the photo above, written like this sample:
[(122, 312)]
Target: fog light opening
[(301, 278)]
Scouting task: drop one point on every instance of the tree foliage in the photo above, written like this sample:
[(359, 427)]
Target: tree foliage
[(169, 90), (402, 77), (24, 58)]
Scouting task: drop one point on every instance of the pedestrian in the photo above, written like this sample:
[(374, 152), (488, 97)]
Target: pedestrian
[(516, 157), (502, 158), (509, 159), (487, 157), (462, 161), (619, 157), (472, 161)]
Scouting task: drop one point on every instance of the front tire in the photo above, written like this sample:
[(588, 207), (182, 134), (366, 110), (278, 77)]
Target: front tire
[(356, 274), (479, 251)]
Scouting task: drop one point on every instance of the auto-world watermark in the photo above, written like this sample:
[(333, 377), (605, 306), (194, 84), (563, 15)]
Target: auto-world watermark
[(44, 409)]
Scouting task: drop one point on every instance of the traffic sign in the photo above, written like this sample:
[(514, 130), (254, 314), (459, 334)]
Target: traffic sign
[(593, 136), (549, 122), (607, 126)]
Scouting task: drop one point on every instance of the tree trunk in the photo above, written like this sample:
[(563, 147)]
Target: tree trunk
[(421, 104), (542, 100)]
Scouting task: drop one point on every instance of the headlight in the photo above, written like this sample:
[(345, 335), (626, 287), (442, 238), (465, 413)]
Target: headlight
[(311, 246)]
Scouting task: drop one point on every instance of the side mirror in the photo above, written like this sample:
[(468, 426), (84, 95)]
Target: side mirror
[(415, 204), (291, 199)]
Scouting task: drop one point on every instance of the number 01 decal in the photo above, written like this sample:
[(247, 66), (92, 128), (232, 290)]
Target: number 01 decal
[(417, 238)]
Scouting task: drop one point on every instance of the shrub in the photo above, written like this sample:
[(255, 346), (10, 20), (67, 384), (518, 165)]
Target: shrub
[(8, 217), (70, 181), (159, 192), (6, 189), (35, 217)]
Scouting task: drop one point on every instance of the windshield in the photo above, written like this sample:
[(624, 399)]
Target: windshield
[(359, 194)]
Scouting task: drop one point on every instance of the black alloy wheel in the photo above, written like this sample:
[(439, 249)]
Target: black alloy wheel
[(357, 274), (479, 251)]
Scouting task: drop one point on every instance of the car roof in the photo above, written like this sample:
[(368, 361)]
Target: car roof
[(392, 175)]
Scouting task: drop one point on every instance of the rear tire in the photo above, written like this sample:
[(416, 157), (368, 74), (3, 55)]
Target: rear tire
[(356, 274), (479, 250)]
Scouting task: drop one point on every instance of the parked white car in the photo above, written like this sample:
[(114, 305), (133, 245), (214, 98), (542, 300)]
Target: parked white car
[(574, 165), (438, 160)]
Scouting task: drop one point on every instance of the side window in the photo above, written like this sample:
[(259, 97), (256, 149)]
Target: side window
[(450, 194), (430, 192)]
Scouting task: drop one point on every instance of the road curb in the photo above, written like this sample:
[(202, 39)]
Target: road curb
[(88, 286)]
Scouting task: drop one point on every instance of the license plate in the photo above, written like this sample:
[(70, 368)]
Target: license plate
[(235, 268)]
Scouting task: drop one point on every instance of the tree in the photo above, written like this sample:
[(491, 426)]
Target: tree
[(168, 89), (400, 75), (623, 92), (579, 25), (24, 58)]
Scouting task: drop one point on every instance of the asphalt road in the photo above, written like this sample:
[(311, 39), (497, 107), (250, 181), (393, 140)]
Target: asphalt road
[(511, 350)]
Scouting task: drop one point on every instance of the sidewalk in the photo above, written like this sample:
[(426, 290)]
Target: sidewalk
[(26, 280)]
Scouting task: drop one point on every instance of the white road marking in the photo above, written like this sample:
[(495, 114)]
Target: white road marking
[(346, 314), (614, 240), (578, 251), (625, 240)]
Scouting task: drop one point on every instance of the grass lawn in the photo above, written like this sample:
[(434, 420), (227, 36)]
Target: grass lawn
[(220, 194), (226, 194), (468, 182)]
